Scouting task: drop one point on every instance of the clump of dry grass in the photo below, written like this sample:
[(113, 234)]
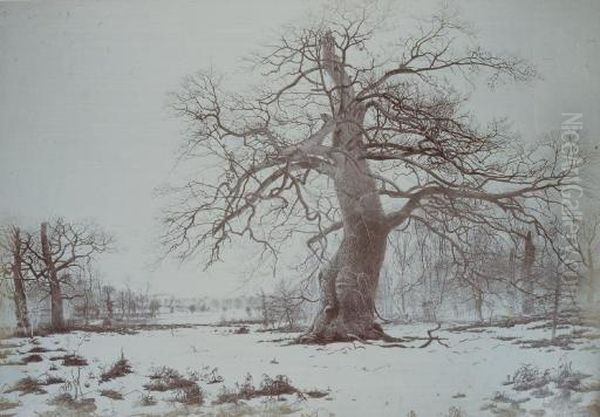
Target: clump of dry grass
[(269, 387), (81, 405), (528, 377), (7, 404), (51, 380), (38, 349), (32, 358), (315, 393), (119, 369), (187, 390), (112, 394), (147, 400), (189, 395), (73, 360), (27, 385), (166, 379)]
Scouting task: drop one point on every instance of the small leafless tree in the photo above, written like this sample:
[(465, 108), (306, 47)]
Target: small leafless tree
[(63, 249), (13, 248), (338, 141), (88, 301), (154, 307), (109, 302), (585, 245)]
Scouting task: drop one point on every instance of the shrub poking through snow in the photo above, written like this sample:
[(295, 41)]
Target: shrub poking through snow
[(51, 380), (568, 379), (147, 400), (7, 405), (119, 369), (112, 394), (186, 390), (529, 377), (269, 387), (501, 397), (189, 395), (81, 405), (277, 386), (32, 358), (315, 393), (543, 392), (71, 360), (27, 385), (213, 377), (38, 349)]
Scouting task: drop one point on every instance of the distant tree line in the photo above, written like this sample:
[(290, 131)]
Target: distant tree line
[(54, 265)]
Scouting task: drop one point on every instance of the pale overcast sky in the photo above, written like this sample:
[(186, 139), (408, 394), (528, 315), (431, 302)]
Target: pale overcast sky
[(85, 132)]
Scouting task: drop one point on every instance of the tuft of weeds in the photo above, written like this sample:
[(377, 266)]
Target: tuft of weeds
[(452, 412), (189, 395), (213, 377), (4, 353), (7, 404), (501, 397), (32, 358), (242, 330), (51, 380), (315, 393), (274, 387), (543, 392), (164, 372), (112, 394), (27, 385), (119, 369), (81, 405), (38, 349), (186, 390), (529, 377), (456, 412), (269, 387), (243, 391), (147, 400), (167, 379), (73, 360), (568, 379), (590, 387)]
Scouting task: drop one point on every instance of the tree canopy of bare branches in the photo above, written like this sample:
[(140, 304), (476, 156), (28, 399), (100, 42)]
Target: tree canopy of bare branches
[(63, 250), (339, 141)]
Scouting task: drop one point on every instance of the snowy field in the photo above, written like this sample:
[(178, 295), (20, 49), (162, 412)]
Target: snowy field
[(474, 376)]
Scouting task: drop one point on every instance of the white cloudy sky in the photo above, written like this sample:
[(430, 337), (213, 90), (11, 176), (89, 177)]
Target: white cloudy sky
[(85, 132)]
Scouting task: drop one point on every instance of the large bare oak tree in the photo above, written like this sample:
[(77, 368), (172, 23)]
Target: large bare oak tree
[(339, 142)]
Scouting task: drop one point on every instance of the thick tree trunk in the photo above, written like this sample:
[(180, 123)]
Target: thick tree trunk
[(56, 301), (349, 281), (56, 305), (527, 276), (21, 312)]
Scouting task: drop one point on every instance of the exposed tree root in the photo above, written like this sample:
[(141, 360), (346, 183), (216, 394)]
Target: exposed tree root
[(374, 334)]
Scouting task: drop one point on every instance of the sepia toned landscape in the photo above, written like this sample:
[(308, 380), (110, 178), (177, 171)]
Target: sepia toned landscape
[(288, 208)]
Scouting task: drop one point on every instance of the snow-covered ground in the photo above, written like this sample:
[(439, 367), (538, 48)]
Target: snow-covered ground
[(360, 379)]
